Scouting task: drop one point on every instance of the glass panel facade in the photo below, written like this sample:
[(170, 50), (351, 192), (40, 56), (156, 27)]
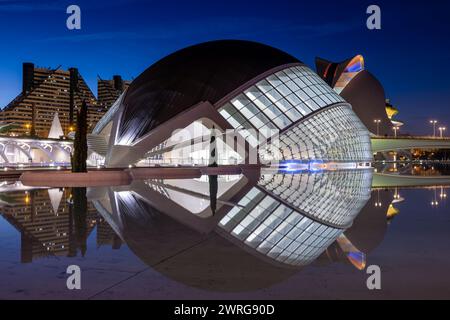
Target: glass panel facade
[(335, 197), (267, 225), (190, 146), (279, 100), (334, 134)]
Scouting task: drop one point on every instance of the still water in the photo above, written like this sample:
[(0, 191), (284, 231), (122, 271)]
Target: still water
[(274, 235)]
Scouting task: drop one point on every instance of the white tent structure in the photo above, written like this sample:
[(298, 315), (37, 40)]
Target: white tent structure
[(56, 130), (55, 196)]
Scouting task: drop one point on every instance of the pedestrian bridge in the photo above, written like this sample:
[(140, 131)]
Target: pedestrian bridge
[(43, 152), (407, 143), (29, 151)]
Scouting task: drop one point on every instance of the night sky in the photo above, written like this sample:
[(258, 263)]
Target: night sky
[(410, 55)]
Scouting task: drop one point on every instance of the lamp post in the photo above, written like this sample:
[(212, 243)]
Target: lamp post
[(395, 131), (377, 121), (433, 122), (441, 130)]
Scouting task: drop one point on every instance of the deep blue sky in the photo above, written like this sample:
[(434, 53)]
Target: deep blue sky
[(410, 55)]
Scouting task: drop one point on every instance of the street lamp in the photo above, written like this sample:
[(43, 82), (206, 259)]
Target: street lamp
[(377, 121), (395, 131), (441, 129), (433, 122)]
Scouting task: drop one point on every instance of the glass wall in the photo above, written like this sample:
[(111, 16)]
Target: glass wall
[(191, 146), (275, 230), (278, 101), (335, 197), (334, 134)]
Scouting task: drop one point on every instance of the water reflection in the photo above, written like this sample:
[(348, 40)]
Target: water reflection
[(49, 221), (216, 230), (366, 233), (414, 168), (284, 219)]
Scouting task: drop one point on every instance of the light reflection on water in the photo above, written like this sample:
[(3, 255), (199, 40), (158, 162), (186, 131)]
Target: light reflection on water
[(244, 235), (416, 168)]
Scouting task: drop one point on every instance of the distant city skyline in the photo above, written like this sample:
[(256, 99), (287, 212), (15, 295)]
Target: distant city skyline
[(125, 37)]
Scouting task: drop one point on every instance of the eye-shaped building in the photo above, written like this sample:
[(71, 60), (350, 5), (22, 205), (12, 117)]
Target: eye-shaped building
[(274, 105)]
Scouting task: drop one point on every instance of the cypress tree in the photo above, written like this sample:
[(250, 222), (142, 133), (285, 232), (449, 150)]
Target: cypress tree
[(79, 156), (213, 157), (213, 162), (80, 209)]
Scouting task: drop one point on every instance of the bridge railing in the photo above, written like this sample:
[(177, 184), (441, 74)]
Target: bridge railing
[(410, 137)]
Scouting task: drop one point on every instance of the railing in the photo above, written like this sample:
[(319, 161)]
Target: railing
[(410, 137)]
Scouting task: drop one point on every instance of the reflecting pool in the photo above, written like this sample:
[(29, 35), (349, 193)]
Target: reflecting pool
[(257, 235)]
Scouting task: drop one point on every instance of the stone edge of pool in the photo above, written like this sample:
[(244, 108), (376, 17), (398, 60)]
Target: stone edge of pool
[(123, 177)]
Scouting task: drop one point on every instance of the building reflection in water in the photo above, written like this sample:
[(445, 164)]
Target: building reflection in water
[(366, 233), (48, 223), (261, 226)]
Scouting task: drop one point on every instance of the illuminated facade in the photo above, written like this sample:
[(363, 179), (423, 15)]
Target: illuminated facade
[(34, 152), (392, 111), (355, 66), (278, 101), (46, 92), (110, 90), (363, 91), (269, 100), (334, 134)]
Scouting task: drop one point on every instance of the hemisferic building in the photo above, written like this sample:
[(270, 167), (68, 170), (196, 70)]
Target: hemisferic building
[(275, 106)]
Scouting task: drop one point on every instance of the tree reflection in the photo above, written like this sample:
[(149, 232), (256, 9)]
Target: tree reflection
[(213, 187), (79, 210)]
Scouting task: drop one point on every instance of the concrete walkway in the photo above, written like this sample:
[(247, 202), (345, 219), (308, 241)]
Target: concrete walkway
[(123, 177)]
